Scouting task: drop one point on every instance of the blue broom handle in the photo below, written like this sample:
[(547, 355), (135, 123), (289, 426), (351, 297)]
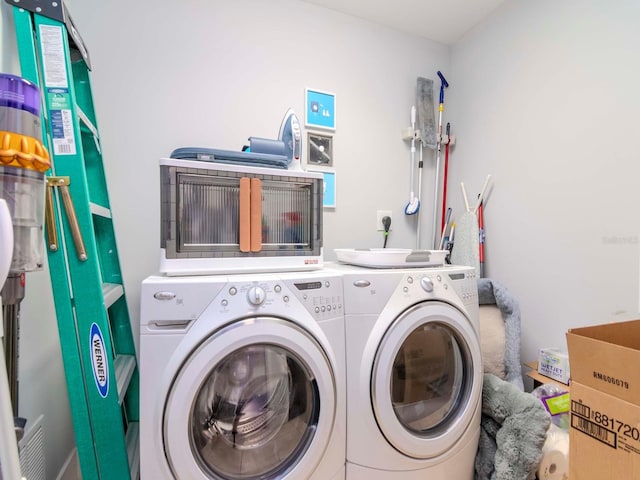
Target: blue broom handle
[(443, 84)]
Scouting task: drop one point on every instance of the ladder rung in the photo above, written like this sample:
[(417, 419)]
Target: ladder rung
[(133, 449), (100, 210), (111, 293), (84, 119), (124, 365)]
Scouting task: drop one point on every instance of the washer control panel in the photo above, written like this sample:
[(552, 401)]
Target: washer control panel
[(321, 297)]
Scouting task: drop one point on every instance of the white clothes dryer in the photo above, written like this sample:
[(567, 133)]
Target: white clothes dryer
[(243, 377), (414, 372)]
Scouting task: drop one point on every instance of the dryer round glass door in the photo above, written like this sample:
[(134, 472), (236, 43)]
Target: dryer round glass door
[(427, 379), (255, 400)]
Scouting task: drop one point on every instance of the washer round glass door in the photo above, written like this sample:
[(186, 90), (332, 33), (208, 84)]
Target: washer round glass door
[(256, 400), (426, 379)]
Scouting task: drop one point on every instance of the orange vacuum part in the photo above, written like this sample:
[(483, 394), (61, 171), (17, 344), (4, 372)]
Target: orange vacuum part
[(21, 151)]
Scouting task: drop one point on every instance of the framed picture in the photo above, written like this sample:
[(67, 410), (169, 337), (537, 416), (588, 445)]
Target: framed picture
[(319, 149), (320, 109), (329, 189)]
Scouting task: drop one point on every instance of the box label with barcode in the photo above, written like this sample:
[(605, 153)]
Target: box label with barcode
[(607, 428)]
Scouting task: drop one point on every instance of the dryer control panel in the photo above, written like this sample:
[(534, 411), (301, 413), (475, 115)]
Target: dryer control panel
[(458, 284), (464, 283)]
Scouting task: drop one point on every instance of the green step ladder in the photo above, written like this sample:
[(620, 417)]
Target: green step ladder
[(93, 318)]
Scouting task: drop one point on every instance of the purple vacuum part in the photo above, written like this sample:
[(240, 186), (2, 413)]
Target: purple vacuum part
[(16, 92)]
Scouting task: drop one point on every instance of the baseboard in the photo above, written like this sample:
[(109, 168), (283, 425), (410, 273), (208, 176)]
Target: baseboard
[(71, 468)]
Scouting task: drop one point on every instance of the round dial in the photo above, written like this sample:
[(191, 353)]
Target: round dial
[(256, 295), (427, 284)]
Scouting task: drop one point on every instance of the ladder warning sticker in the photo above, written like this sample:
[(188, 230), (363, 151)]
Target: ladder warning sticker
[(57, 89), (55, 72), (99, 363)]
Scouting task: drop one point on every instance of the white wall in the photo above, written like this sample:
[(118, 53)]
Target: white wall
[(544, 96), (42, 389)]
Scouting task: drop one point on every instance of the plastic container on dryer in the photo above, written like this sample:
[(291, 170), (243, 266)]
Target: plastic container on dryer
[(23, 163)]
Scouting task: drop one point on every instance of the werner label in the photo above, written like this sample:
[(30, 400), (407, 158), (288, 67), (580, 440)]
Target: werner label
[(99, 362)]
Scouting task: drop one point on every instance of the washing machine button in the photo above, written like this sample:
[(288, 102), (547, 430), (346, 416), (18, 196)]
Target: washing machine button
[(427, 284), (361, 283), (233, 291), (277, 289), (256, 296)]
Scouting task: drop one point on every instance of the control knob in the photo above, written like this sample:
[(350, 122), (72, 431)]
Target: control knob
[(256, 296), (427, 284)]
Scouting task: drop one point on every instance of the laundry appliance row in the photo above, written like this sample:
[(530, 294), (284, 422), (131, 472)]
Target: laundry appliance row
[(342, 372)]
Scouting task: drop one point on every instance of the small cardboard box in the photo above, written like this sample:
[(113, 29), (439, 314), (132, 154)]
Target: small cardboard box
[(554, 363), (606, 358), (605, 401)]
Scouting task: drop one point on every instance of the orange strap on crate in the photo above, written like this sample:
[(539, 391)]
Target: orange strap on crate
[(245, 214), (256, 215)]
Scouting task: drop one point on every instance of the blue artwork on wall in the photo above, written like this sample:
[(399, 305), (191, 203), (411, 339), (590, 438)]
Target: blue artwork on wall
[(329, 194), (320, 109)]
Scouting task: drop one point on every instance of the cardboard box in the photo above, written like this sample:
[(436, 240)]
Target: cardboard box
[(607, 358), (605, 401), (554, 363)]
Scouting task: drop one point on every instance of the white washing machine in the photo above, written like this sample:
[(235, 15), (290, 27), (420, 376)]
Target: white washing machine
[(243, 377), (414, 372)]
